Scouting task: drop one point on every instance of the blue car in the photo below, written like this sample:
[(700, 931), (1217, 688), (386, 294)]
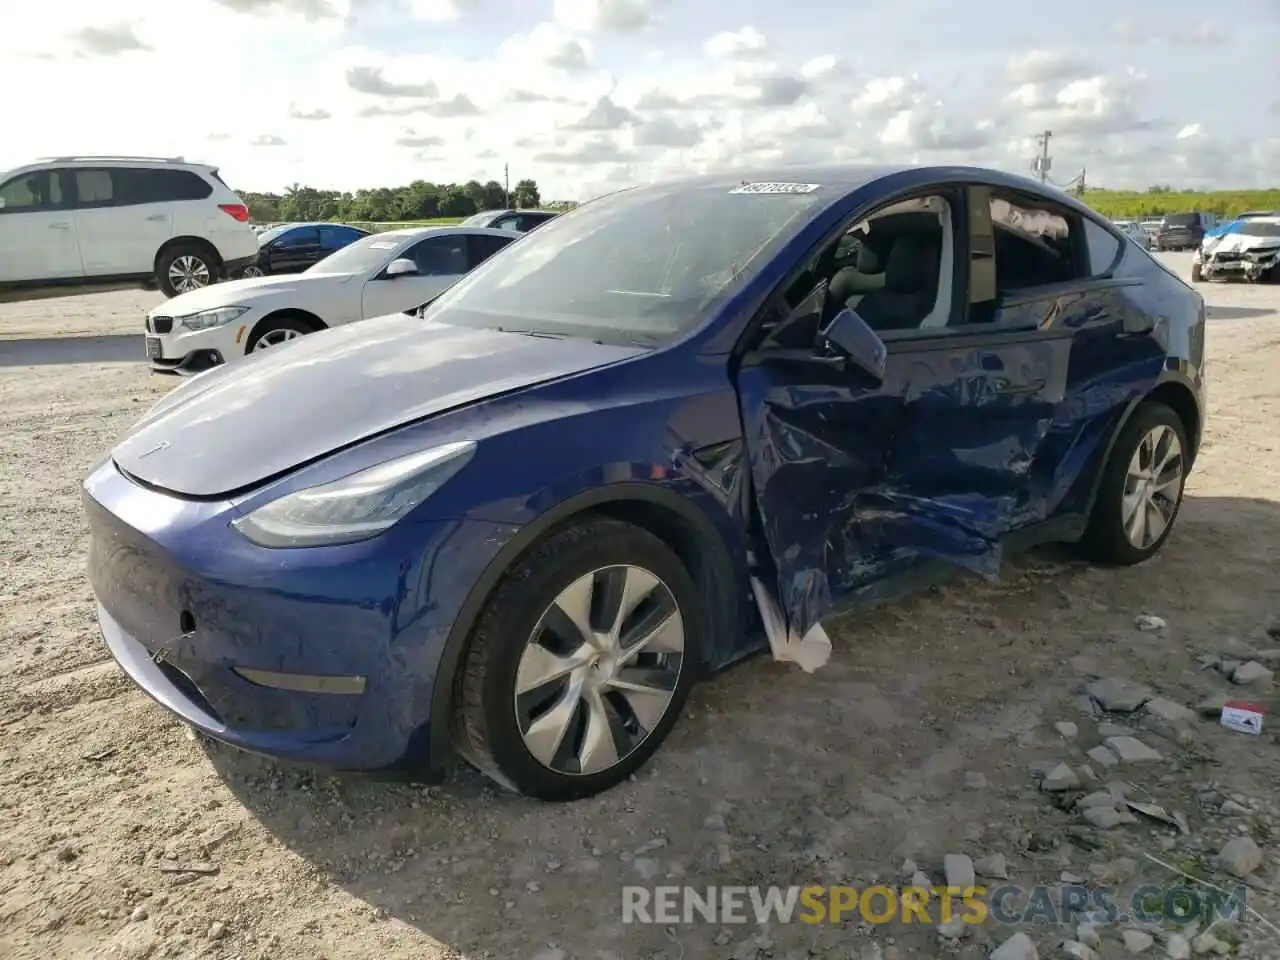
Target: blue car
[(519, 525)]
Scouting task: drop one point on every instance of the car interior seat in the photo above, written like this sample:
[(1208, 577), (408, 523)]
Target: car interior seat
[(910, 288), (850, 284)]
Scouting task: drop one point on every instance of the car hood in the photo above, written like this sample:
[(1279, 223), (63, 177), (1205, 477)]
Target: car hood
[(1239, 243), (231, 429), (240, 291)]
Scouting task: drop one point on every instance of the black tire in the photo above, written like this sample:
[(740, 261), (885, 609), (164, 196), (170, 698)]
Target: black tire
[(274, 325), (486, 729), (1105, 540), (207, 265), (1196, 274)]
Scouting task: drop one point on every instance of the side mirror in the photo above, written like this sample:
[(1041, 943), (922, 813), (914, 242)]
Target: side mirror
[(402, 267), (858, 343)]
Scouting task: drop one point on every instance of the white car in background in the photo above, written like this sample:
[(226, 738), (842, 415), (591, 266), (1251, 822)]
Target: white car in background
[(393, 272), (82, 224), (1133, 230)]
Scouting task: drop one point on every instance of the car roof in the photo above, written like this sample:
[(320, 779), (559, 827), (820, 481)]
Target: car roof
[(444, 229)]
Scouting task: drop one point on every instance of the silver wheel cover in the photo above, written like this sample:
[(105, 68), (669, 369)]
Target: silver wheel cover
[(188, 273), (600, 670), (1152, 487), (275, 337)]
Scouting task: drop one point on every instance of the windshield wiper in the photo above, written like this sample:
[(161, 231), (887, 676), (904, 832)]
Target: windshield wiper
[(534, 333)]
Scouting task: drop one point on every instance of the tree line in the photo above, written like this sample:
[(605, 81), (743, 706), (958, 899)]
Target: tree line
[(1159, 200), (423, 200), (420, 200)]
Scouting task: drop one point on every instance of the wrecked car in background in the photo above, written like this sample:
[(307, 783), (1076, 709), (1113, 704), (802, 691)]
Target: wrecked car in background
[(1247, 249), (675, 426)]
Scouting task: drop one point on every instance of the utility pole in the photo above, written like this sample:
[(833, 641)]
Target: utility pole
[(1082, 173), (1043, 162), (506, 182)]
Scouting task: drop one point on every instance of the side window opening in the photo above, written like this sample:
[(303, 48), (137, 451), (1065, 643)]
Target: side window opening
[(440, 256), (1035, 246), (95, 187), (1104, 248)]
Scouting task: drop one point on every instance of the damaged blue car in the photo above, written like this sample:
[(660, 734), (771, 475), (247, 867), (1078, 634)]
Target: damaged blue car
[(518, 526)]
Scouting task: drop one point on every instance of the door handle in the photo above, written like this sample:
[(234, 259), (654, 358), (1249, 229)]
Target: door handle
[(1007, 388), (63, 225), (158, 217)]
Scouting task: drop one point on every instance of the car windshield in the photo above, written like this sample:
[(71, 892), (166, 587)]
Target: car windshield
[(1259, 228), (1180, 220), (477, 219), (367, 253), (638, 266), (266, 236)]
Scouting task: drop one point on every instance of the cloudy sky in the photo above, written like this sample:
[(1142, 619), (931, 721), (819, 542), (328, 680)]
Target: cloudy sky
[(586, 95)]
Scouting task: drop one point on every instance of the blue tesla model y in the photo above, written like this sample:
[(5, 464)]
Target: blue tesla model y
[(518, 525)]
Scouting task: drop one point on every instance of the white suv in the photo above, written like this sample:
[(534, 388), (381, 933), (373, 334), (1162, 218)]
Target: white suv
[(79, 224)]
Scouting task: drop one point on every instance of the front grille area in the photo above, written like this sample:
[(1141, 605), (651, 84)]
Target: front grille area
[(159, 324)]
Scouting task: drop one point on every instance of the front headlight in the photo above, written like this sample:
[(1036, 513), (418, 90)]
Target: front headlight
[(206, 319), (356, 507)]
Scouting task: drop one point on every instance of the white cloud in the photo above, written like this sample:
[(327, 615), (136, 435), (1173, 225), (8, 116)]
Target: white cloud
[(744, 43), (590, 16), (586, 98)]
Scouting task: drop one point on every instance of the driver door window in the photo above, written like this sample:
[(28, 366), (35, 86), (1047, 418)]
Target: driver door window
[(440, 256)]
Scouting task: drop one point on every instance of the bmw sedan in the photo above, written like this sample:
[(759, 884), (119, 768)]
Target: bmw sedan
[(520, 525)]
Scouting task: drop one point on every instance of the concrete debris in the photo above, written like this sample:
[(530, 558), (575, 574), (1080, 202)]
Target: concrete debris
[(1066, 728), (1132, 750), (1137, 941), (1102, 756), (1017, 947), (1073, 948), (1118, 695), (1087, 933), (1106, 817), (992, 867), (953, 929), (1240, 857), (1099, 798), (1165, 709), (1060, 778), (1251, 672), (1227, 667), (1207, 943), (975, 781), (1177, 947), (958, 869), (1211, 706), (1148, 622)]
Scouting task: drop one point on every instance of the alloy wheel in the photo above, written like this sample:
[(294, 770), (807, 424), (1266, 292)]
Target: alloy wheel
[(188, 273), (274, 338), (1152, 487), (600, 670), (252, 271)]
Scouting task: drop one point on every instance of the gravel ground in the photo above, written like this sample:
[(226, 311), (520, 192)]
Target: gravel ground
[(922, 737)]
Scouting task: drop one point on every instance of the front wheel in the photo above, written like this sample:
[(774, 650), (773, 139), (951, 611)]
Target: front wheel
[(253, 270), (1141, 489), (275, 331), (580, 663)]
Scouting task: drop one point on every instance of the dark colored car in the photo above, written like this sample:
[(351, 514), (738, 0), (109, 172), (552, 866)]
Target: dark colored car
[(521, 221), (1182, 231), (531, 517), (293, 247)]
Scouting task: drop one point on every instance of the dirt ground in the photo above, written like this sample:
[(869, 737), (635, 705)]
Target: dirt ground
[(921, 738)]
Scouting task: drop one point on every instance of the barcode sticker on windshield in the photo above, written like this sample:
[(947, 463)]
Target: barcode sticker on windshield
[(775, 188)]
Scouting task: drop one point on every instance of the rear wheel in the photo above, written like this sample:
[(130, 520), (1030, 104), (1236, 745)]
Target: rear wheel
[(1141, 489), (1196, 274), (579, 666), (184, 268)]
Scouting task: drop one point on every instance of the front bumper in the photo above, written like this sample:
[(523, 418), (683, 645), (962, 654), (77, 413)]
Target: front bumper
[(1240, 267), (171, 348), (326, 656)]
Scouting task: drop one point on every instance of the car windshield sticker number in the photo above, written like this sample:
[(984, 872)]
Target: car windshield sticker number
[(383, 245), (775, 188)]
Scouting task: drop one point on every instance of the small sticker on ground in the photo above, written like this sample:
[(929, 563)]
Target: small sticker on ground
[(775, 188), (1242, 717)]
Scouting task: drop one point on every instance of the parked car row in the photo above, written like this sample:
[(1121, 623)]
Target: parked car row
[(78, 224), (517, 519)]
